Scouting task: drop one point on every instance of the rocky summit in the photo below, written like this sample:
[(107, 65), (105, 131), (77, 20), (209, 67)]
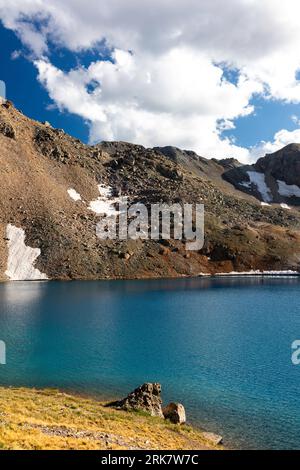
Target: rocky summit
[(274, 178), (54, 188)]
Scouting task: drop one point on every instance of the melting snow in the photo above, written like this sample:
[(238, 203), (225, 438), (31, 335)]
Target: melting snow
[(105, 191), (264, 204), (288, 190), (259, 180), (260, 273), (285, 206), (102, 207), (74, 195), (21, 258), (105, 204)]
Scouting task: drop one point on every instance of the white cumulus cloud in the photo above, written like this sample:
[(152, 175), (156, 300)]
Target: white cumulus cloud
[(154, 102), (281, 139), (165, 83)]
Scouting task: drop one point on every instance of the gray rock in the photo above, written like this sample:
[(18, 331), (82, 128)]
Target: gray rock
[(146, 398), (175, 412)]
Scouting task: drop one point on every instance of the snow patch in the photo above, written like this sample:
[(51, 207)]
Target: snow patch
[(105, 204), (102, 207), (259, 180), (260, 273), (288, 190), (246, 184), (285, 206), (21, 258), (74, 195), (105, 191), (264, 204)]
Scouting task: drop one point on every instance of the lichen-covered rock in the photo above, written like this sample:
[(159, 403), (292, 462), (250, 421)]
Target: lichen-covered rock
[(146, 398), (175, 413)]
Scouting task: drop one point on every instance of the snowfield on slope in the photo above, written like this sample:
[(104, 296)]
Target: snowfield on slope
[(105, 203), (74, 194), (288, 190), (258, 179), (21, 258)]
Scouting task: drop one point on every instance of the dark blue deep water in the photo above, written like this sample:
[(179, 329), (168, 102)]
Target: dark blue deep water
[(220, 346)]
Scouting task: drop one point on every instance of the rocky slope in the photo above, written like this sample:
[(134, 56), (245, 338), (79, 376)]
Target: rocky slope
[(274, 178), (53, 188)]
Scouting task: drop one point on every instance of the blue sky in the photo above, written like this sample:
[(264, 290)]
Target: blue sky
[(27, 94), (24, 89), (156, 73), (269, 117)]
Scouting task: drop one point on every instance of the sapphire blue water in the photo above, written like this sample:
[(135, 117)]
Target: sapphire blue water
[(220, 346)]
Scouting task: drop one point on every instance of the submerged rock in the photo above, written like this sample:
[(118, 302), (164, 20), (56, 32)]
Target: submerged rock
[(212, 438), (175, 412), (146, 398)]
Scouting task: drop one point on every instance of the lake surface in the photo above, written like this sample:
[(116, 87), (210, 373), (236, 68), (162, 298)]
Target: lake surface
[(222, 347)]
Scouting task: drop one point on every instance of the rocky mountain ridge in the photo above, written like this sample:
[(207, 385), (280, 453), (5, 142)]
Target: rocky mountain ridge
[(54, 188), (274, 178)]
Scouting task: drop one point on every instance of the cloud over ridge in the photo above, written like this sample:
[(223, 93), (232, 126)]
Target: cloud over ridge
[(165, 79)]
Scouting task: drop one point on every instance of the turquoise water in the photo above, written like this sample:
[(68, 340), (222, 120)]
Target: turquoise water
[(220, 346)]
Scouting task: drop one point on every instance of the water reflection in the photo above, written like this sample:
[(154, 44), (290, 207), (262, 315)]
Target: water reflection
[(21, 293)]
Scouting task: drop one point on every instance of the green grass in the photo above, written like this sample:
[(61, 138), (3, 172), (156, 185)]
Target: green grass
[(49, 419)]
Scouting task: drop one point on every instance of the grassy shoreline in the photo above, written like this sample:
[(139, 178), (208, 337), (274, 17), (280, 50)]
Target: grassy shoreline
[(50, 419)]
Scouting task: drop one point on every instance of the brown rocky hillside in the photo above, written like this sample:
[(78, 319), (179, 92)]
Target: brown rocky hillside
[(39, 165)]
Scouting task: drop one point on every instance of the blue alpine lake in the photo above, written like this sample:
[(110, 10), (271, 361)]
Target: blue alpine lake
[(220, 346)]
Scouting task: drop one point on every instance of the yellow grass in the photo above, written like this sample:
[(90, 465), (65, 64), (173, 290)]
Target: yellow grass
[(49, 419)]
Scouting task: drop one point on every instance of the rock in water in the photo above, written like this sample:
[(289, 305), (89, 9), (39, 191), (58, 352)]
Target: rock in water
[(175, 412), (213, 439), (144, 398)]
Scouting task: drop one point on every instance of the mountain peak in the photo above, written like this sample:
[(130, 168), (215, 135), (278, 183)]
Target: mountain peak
[(287, 150)]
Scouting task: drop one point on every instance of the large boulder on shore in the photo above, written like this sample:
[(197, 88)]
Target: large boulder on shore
[(175, 413), (146, 398)]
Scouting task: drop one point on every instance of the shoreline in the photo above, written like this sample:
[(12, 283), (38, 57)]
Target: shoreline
[(252, 273), (40, 419), (110, 398)]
